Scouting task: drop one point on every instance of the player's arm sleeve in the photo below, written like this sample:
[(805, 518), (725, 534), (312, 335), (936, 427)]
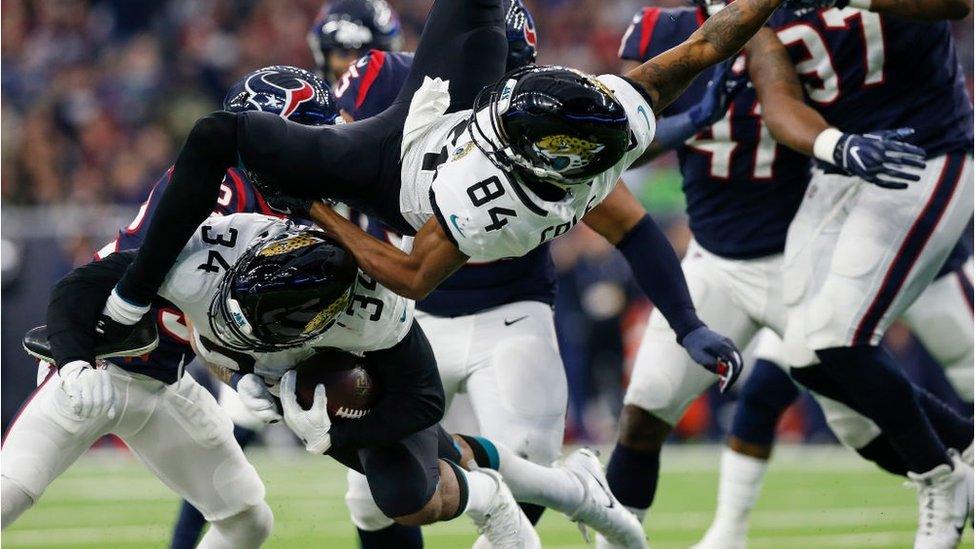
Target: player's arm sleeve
[(76, 302), (658, 273), (623, 222), (412, 398)]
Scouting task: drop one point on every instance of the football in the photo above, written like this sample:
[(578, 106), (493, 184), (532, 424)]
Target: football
[(349, 388)]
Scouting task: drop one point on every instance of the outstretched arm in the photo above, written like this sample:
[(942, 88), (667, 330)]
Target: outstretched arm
[(880, 158), (790, 120), (626, 225), (433, 257), (666, 76)]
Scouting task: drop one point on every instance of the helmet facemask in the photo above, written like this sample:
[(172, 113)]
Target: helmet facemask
[(549, 137), (283, 292)]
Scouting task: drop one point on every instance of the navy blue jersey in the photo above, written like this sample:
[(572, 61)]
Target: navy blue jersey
[(369, 87), (742, 188), (371, 84), (864, 71), (236, 195)]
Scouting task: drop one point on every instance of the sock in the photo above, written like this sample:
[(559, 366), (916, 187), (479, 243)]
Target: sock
[(394, 535), (551, 487), (954, 430), (486, 455), (480, 488), (739, 486), (189, 525), (879, 390), (632, 475), (767, 393), (880, 451), (122, 311)]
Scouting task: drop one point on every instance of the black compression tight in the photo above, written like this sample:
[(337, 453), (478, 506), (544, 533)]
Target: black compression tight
[(210, 149)]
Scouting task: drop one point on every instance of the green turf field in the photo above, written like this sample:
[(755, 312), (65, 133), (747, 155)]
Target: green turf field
[(815, 497)]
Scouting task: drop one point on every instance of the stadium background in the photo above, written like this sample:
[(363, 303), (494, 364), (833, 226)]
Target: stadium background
[(97, 96)]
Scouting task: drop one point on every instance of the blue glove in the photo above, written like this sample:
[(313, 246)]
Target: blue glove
[(716, 353), (880, 158), (674, 130)]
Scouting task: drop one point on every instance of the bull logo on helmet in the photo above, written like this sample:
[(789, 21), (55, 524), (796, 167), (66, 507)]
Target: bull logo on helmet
[(564, 152)]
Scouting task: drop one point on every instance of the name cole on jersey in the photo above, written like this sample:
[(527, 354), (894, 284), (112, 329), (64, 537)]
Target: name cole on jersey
[(374, 318), (741, 187), (488, 214), (865, 71)]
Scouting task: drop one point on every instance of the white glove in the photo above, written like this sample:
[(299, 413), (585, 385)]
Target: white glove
[(90, 391), (312, 426), (256, 398)]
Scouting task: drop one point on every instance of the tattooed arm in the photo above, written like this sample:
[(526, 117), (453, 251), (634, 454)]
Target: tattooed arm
[(790, 120), (667, 75)]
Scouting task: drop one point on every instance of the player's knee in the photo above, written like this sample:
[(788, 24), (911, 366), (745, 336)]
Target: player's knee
[(14, 502), (215, 129), (250, 527), (409, 503), (641, 430)]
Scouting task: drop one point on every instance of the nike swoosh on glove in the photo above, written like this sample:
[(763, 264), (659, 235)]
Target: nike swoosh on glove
[(90, 391), (256, 398), (880, 158), (312, 425), (716, 353)]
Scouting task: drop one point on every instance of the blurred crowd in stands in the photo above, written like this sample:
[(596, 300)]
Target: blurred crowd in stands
[(98, 94)]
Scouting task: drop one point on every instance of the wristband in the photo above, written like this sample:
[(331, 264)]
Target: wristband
[(825, 143), (860, 4)]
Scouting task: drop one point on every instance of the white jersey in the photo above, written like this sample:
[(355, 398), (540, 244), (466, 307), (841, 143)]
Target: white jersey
[(483, 209), (376, 318)]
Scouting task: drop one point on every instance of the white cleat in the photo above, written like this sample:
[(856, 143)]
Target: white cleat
[(505, 526), (481, 543), (599, 509), (944, 504)]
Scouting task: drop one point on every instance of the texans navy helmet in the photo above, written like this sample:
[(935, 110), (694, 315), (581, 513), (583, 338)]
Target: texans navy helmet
[(290, 92), (520, 31), (353, 25), (284, 291), (551, 123)]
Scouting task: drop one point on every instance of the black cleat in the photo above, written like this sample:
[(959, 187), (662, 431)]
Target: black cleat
[(113, 339)]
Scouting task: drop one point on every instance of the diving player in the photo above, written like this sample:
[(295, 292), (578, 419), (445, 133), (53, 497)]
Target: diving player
[(506, 183), (146, 399), (490, 323), (345, 30), (742, 191)]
